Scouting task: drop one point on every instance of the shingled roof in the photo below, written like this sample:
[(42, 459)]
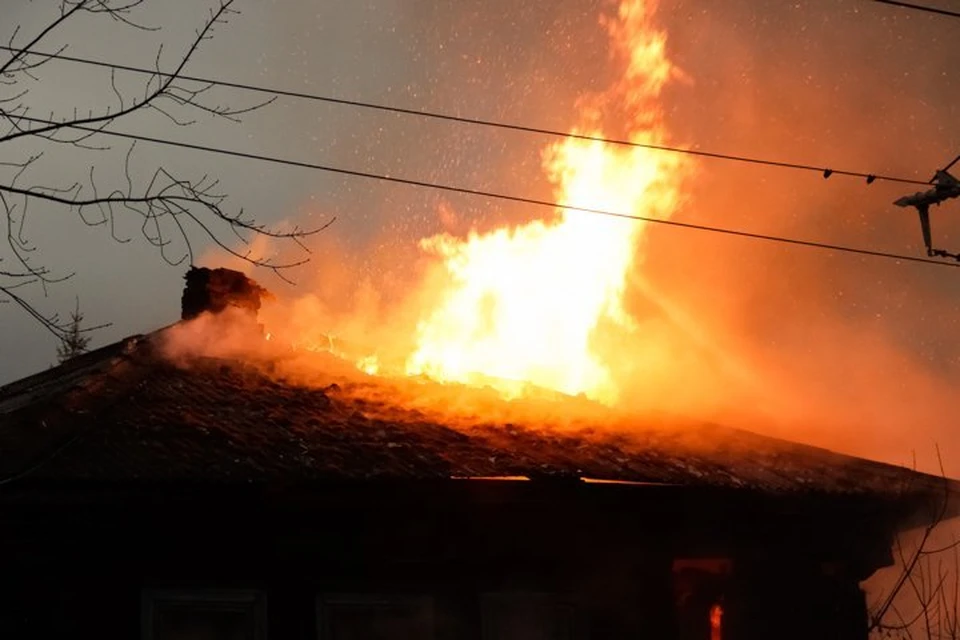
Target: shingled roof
[(126, 413)]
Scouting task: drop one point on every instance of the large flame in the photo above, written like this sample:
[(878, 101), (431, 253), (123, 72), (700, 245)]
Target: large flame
[(523, 305)]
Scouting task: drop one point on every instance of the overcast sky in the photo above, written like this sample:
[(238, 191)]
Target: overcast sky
[(848, 84)]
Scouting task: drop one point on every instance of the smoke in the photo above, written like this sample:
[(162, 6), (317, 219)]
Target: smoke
[(855, 354), (851, 353)]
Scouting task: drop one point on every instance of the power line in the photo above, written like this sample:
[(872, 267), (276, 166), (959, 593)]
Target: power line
[(825, 171), (952, 162), (506, 197), (920, 7)]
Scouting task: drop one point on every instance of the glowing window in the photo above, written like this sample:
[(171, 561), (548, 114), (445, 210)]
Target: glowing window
[(716, 622)]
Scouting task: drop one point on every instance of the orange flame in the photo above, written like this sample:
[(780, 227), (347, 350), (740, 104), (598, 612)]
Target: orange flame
[(523, 305)]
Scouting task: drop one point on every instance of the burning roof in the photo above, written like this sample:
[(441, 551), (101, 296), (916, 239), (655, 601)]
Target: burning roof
[(128, 413)]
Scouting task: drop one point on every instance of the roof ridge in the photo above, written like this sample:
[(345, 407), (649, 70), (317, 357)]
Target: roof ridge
[(68, 375)]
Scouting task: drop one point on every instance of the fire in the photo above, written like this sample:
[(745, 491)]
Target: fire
[(370, 365), (524, 305), (716, 622)]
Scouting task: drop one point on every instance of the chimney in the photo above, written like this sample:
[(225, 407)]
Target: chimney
[(213, 290)]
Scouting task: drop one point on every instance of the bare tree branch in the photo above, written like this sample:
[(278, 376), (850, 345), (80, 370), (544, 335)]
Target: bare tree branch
[(165, 84), (175, 211), (922, 582), (11, 63)]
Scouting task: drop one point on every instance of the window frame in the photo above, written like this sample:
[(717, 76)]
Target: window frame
[(423, 604), (240, 600)]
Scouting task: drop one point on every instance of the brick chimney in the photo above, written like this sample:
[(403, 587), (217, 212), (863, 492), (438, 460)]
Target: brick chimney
[(213, 290)]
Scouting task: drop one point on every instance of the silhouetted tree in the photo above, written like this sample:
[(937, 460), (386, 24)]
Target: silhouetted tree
[(923, 603), (75, 339), (173, 209)]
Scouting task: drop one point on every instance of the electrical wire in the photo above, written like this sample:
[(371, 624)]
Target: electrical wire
[(920, 7), (506, 197), (825, 171), (950, 166)]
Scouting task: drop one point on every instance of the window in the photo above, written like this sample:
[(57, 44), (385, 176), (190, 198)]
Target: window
[(367, 617), (204, 615), (699, 586), (527, 616)]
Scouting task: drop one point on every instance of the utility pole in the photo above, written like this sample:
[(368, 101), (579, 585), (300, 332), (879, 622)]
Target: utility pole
[(946, 187)]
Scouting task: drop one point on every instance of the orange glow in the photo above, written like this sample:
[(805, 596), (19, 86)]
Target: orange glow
[(666, 327), (369, 365), (716, 622), (523, 305)]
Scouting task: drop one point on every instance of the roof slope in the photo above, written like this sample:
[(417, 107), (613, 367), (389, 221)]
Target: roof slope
[(125, 413)]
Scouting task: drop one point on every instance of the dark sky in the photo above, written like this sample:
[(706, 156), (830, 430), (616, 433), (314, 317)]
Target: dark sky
[(849, 84)]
